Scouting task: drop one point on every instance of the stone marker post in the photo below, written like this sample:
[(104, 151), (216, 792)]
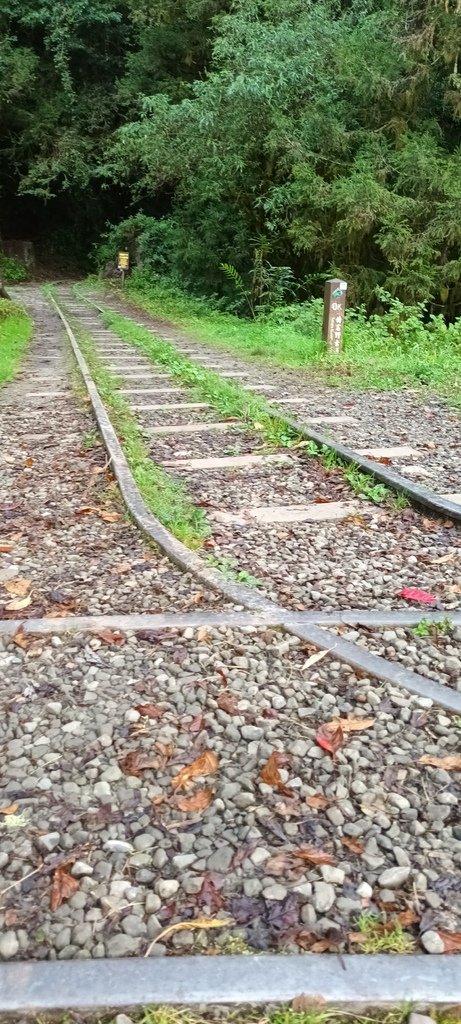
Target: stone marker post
[(334, 306)]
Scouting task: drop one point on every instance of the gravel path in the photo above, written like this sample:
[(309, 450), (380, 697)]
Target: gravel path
[(77, 562), (405, 417), (363, 560), (140, 860), (432, 651)]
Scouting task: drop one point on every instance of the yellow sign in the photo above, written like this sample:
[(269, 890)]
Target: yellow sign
[(123, 260)]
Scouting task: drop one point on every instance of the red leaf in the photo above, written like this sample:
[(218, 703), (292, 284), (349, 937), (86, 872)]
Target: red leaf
[(420, 596), (149, 710), (228, 702), (330, 737)]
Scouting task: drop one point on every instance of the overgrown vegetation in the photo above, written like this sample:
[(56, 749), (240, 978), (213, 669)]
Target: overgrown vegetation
[(381, 351), (266, 146), (166, 498), (15, 333), (11, 270), (281, 1015)]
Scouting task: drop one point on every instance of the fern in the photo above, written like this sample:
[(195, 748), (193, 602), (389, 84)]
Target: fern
[(233, 275)]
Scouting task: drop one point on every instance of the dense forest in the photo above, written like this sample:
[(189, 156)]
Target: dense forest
[(287, 139)]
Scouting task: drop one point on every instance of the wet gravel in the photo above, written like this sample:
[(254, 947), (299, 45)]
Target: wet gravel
[(70, 717)]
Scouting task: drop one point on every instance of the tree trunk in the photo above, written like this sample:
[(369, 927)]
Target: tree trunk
[(3, 292)]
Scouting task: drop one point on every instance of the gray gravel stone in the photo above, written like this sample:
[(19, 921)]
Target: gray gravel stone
[(122, 945), (221, 859), (9, 945), (275, 892), (167, 888), (394, 878), (432, 942), (324, 897)]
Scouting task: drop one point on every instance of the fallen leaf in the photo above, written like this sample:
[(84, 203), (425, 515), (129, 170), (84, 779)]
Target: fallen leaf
[(109, 636), (408, 917), (165, 749), (314, 658), (210, 893), (451, 763), (149, 710), (317, 800), (353, 845), (18, 587), (330, 736), (199, 801), (270, 773), (29, 462), (86, 510), (420, 596), (10, 809), (108, 517), (228, 702), (136, 762), (451, 941), (63, 886), (21, 639), (353, 724), (307, 853), (202, 634), (11, 917), (444, 559), (304, 1004), (206, 764), (202, 923), (197, 724), (6, 548), (119, 570), (18, 604)]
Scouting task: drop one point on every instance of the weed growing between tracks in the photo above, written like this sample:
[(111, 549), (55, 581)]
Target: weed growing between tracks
[(15, 333), (282, 1015), (232, 400), (165, 498)]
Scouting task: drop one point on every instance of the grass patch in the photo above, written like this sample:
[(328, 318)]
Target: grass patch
[(377, 939), (398, 348), (15, 334), (427, 628), (230, 400), (281, 1015), (165, 498)]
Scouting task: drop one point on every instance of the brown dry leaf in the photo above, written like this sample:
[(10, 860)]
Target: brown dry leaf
[(228, 702), (18, 587), (18, 604), (21, 639), (108, 517), (6, 548), (202, 634), (165, 749), (199, 801), (149, 710), (330, 736), (109, 636), (354, 845), (451, 941), (206, 764), (281, 863), (270, 773), (307, 853), (203, 923), (11, 917), (314, 658), (317, 800), (10, 809), (29, 462), (86, 510), (353, 724), (451, 763), (118, 570), (136, 762), (304, 1004), (408, 917), (63, 886)]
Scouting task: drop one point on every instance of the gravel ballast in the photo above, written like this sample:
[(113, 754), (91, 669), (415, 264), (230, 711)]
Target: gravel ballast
[(70, 718)]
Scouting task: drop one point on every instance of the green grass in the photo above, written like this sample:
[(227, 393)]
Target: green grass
[(318, 1014), (433, 629), (165, 498), (393, 350), (15, 334), (377, 941)]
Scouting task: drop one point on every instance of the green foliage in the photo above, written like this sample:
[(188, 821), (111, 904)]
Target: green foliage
[(12, 270), (427, 628), (15, 333)]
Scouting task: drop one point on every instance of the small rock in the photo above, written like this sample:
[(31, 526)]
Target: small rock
[(122, 1018), (167, 887), (48, 842), (251, 732), (221, 859), (393, 878), (72, 727), (9, 945), (122, 945), (432, 942), (102, 790), (324, 897), (334, 875), (259, 855), (275, 892), (420, 1018), (118, 846), (335, 816), (365, 891), (81, 868)]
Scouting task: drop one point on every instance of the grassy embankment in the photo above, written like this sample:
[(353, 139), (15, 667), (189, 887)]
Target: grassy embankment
[(398, 348), (15, 333)]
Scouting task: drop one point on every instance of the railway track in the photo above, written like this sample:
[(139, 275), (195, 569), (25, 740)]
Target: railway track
[(230, 668)]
